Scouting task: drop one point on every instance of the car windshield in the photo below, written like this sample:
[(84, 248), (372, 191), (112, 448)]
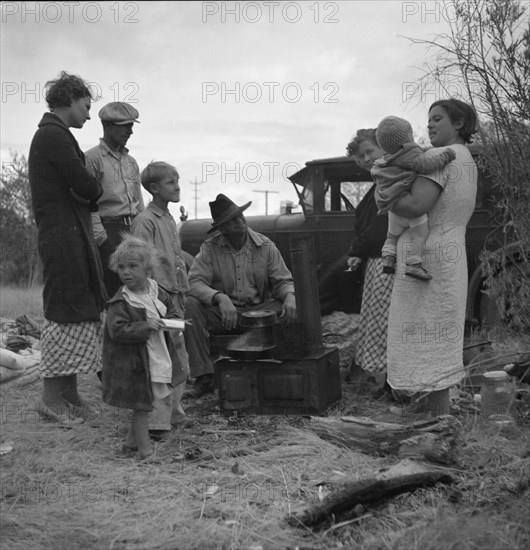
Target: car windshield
[(341, 196), (349, 195), (331, 185), (306, 197)]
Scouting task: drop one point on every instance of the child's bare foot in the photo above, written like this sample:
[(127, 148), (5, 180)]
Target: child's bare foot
[(128, 449), (130, 440), (138, 434), (145, 448)]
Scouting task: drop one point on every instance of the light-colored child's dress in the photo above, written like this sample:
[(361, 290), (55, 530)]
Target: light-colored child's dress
[(160, 366)]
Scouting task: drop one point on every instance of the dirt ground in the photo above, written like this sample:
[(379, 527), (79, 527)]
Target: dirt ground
[(234, 482)]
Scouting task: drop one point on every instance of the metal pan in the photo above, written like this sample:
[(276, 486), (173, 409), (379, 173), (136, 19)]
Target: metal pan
[(250, 354)]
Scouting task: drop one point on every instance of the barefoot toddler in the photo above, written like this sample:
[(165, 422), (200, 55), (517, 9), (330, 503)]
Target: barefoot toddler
[(140, 361), (394, 175)]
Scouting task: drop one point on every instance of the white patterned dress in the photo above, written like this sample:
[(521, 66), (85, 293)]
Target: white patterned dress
[(426, 319)]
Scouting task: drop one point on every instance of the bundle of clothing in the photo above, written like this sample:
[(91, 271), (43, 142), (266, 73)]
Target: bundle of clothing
[(19, 351)]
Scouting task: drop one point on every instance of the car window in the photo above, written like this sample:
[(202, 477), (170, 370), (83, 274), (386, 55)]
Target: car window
[(304, 190), (344, 196), (306, 197)]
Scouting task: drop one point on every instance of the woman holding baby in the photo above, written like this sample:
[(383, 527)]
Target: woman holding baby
[(426, 320)]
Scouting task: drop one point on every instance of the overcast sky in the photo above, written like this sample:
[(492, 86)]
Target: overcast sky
[(235, 94)]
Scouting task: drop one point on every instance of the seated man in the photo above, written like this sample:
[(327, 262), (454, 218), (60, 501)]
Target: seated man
[(236, 271)]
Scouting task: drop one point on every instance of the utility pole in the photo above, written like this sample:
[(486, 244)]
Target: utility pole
[(195, 195), (266, 198)]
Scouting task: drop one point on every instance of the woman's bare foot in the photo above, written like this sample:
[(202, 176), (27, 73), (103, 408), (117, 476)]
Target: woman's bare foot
[(56, 412), (149, 458), (85, 410)]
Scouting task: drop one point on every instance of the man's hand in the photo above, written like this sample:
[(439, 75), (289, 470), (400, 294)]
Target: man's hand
[(228, 311), (289, 309), (354, 263)]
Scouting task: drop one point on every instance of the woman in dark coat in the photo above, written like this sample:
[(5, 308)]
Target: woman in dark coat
[(63, 195)]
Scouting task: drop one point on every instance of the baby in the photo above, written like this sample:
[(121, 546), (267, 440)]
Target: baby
[(394, 175)]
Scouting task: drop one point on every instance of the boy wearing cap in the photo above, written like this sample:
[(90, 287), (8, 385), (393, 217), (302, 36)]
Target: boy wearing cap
[(119, 175), (156, 226), (394, 174), (235, 271)]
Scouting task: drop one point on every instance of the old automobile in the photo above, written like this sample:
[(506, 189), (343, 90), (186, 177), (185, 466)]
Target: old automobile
[(328, 191)]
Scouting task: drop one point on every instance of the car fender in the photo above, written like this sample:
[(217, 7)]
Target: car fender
[(476, 290)]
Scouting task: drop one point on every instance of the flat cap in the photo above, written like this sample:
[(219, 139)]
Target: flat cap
[(118, 112)]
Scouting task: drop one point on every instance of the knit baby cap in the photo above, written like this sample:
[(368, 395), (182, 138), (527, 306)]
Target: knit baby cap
[(392, 133)]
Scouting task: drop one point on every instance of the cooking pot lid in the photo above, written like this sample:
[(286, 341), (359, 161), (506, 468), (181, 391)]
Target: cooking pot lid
[(265, 318)]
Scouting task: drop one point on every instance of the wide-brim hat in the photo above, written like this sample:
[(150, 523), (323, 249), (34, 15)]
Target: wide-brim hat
[(223, 210), (119, 113)]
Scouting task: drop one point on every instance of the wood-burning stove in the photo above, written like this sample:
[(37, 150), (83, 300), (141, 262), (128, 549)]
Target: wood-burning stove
[(278, 368)]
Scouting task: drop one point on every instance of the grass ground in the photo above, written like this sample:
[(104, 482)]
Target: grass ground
[(15, 301), (231, 483)]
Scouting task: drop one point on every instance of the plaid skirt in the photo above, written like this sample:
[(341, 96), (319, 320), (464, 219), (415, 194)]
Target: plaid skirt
[(373, 324), (72, 348)]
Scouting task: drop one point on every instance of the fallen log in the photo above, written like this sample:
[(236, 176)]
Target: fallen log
[(367, 491), (434, 440)]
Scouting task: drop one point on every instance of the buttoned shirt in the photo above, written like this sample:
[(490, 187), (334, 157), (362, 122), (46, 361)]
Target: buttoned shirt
[(119, 176), (251, 275), (158, 227)]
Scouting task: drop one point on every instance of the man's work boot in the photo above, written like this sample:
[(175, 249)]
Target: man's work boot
[(159, 435), (203, 384)]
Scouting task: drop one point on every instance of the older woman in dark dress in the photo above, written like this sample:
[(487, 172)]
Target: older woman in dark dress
[(63, 195), (370, 234)]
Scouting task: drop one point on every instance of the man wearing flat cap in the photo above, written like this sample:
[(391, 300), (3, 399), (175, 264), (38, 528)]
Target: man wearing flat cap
[(235, 271), (119, 175)]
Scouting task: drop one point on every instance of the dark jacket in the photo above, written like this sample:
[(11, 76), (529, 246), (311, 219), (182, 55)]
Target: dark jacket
[(73, 288), (125, 376), (370, 229)]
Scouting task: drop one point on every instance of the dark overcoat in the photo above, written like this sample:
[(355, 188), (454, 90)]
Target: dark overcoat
[(125, 377), (370, 229), (61, 192)]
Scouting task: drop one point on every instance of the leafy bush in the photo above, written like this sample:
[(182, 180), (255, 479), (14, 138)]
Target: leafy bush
[(18, 233), (485, 60)]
